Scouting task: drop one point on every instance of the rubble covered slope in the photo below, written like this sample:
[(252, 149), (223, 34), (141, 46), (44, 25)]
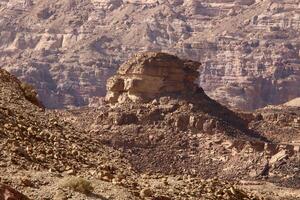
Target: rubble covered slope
[(35, 139), (182, 131), (170, 142), (47, 157)]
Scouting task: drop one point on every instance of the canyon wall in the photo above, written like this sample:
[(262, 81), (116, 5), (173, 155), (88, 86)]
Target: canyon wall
[(68, 49)]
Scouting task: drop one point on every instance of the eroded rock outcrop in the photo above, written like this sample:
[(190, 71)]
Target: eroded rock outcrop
[(149, 75)]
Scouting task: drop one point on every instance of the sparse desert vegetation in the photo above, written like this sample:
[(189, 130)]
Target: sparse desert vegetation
[(77, 184)]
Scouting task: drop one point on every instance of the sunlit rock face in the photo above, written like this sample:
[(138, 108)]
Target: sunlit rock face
[(68, 49), (149, 75)]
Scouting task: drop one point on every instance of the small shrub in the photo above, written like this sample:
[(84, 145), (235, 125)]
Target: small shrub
[(77, 184)]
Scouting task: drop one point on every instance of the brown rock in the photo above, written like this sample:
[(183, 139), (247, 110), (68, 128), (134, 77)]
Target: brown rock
[(124, 118), (182, 122), (146, 192), (8, 193)]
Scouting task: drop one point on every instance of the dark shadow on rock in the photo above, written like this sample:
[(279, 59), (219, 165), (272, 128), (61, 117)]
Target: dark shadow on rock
[(96, 196)]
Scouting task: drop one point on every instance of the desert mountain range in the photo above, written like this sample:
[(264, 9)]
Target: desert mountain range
[(67, 49), (149, 100)]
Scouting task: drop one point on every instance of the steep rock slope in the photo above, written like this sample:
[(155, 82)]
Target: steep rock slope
[(68, 49), (34, 139)]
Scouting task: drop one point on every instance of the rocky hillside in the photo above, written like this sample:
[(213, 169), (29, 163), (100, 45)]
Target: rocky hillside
[(47, 156), (168, 143), (68, 49), (184, 132)]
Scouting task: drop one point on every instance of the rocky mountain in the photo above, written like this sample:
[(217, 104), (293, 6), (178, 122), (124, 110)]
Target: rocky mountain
[(68, 49), (166, 143), (44, 154), (178, 132)]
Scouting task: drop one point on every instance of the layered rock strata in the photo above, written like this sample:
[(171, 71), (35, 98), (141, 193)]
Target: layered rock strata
[(67, 49), (149, 75)]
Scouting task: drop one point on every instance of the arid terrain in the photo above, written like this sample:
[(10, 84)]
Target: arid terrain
[(154, 100), (162, 139)]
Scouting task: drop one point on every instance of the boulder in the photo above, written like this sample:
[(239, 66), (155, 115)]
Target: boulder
[(278, 157)]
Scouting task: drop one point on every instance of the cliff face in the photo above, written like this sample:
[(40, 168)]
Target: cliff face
[(68, 49), (254, 56)]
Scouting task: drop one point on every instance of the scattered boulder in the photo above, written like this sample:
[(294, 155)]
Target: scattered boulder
[(146, 192), (124, 118), (278, 157)]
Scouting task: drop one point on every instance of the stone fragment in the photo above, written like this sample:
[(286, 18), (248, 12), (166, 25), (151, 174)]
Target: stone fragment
[(146, 192), (278, 157), (124, 118)]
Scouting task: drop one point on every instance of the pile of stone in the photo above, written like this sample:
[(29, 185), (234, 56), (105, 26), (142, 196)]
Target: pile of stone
[(32, 138)]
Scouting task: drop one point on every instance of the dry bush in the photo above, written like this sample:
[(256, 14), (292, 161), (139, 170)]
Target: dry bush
[(77, 184)]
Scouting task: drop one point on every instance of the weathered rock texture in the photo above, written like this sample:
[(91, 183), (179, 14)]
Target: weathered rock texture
[(67, 49), (150, 75), (182, 130), (42, 152), (293, 103)]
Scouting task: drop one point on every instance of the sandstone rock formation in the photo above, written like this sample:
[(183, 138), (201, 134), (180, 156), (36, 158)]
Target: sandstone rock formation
[(249, 49), (150, 75)]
